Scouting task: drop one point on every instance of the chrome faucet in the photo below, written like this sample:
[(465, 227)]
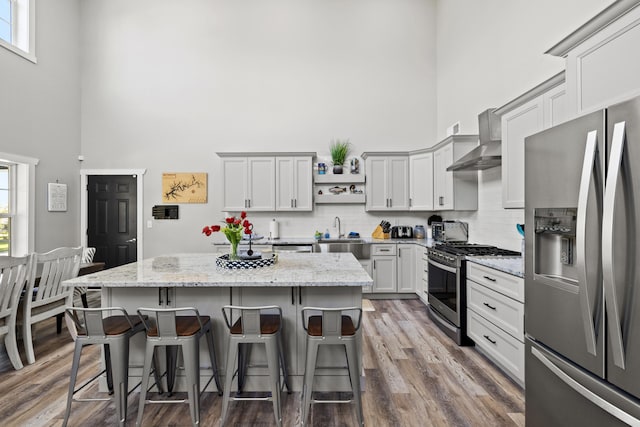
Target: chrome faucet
[(337, 221)]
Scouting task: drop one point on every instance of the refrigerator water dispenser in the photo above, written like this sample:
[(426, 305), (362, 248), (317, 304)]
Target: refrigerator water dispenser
[(555, 236)]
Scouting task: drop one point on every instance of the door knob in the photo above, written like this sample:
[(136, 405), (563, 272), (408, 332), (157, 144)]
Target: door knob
[(131, 240)]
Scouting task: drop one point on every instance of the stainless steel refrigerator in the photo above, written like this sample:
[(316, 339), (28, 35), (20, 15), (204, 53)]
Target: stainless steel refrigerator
[(582, 271)]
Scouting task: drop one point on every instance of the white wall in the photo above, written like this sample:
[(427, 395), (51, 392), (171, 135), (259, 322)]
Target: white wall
[(490, 52), (40, 116), (165, 87)]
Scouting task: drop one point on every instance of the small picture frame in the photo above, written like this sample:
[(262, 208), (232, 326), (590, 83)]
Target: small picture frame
[(56, 197)]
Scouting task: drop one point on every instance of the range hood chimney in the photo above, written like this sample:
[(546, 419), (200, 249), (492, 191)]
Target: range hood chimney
[(488, 153)]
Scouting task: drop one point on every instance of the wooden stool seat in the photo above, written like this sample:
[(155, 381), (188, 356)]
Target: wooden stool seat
[(314, 327), (269, 324)]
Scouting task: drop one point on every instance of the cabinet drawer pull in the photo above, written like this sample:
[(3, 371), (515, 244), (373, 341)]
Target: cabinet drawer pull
[(489, 278), (489, 339), (488, 305)]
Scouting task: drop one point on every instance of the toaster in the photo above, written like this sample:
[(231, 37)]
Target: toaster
[(402, 232)]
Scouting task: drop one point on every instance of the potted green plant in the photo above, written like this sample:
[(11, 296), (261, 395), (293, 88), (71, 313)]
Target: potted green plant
[(339, 152)]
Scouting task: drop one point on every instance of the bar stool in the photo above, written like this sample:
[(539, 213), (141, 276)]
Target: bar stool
[(165, 329), (331, 327), (114, 333), (255, 325)]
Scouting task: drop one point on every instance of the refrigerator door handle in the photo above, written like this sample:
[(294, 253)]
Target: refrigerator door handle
[(586, 306), (610, 292), (585, 392)]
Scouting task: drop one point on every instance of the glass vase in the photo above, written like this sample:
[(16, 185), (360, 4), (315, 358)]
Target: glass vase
[(234, 251)]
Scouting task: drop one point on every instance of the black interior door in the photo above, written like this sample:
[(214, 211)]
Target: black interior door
[(112, 212)]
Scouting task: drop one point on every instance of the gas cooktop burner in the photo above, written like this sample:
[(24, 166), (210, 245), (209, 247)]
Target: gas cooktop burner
[(472, 249)]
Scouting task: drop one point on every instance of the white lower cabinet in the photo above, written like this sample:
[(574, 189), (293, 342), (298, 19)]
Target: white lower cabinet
[(366, 264), (506, 351), (422, 281), (495, 317), (396, 268), (384, 269), (406, 268)]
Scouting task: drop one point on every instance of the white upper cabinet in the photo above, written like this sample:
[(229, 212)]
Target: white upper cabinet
[(540, 108), (601, 61), (260, 181), (387, 182), (234, 183), (516, 126), (421, 182), (454, 190), (294, 186)]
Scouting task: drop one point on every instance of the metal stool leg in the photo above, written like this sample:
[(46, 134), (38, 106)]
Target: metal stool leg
[(119, 350), (354, 376), (144, 385), (231, 360), (309, 374), (283, 362), (214, 363), (273, 360), (191, 358), (72, 380)]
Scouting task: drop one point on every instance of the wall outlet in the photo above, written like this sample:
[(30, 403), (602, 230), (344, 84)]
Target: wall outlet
[(454, 129)]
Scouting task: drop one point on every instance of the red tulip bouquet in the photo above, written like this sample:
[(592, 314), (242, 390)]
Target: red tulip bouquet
[(233, 229)]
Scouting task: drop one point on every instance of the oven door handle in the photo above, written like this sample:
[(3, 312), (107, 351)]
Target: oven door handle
[(443, 267)]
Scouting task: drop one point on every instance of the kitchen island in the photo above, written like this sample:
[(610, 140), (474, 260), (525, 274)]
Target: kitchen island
[(295, 281)]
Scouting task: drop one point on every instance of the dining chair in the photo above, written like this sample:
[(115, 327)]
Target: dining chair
[(87, 258), (14, 272), (49, 298)]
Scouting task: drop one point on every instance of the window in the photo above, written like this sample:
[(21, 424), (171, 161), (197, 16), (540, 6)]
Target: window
[(17, 201), (17, 27), (6, 209)]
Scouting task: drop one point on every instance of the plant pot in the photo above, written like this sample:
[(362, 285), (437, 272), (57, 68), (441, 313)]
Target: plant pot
[(337, 169)]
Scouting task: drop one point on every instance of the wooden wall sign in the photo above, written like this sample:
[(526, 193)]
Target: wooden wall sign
[(184, 187)]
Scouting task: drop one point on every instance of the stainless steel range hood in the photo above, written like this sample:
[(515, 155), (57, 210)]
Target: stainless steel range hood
[(489, 153)]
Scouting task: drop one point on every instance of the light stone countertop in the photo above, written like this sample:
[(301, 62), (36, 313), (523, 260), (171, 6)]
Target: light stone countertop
[(510, 265), (199, 270), (427, 243)]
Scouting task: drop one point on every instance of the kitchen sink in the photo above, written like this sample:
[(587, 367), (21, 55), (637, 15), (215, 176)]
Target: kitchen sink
[(342, 240), (357, 247)]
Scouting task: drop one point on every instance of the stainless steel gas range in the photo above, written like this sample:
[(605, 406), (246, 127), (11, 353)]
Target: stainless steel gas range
[(447, 288)]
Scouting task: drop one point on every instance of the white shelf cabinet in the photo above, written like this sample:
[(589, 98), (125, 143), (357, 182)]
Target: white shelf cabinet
[(387, 183), (540, 108), (326, 181), (454, 190), (293, 180), (495, 314), (421, 181)]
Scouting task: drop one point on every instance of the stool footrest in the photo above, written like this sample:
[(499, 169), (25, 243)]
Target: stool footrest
[(92, 399), (167, 401), (265, 398), (331, 401)]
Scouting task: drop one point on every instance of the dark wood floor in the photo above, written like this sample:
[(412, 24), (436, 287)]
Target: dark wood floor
[(414, 376)]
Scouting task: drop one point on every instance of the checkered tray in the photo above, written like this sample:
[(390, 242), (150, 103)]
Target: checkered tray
[(244, 264)]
